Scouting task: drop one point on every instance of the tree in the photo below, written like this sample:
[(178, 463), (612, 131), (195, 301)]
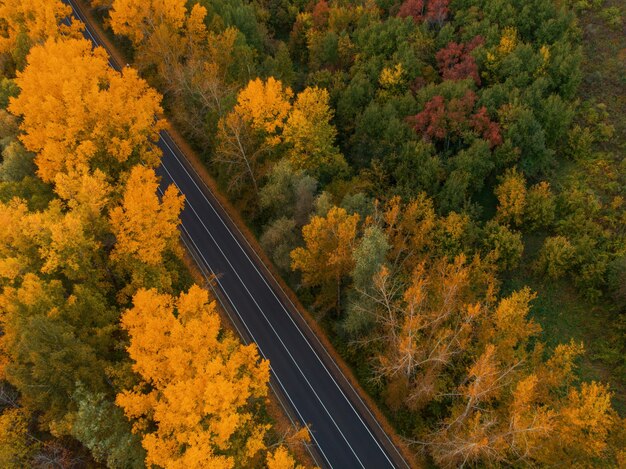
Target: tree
[(102, 427), (139, 19), (240, 152), (556, 256), (409, 229), (17, 163), (327, 258), (281, 459), (504, 246), (54, 338), (250, 131), (279, 238), (369, 256), (200, 388), (540, 206), (264, 106), (456, 62), (447, 120), (511, 194), (145, 227), (94, 117), (433, 11), (288, 192), (311, 136), (16, 444), (30, 22), (424, 325)]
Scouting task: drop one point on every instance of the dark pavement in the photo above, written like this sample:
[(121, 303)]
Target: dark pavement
[(305, 378)]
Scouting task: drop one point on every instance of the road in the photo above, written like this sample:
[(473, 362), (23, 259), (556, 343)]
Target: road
[(305, 378)]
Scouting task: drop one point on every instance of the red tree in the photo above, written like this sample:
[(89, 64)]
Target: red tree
[(449, 120), (320, 14), (414, 9), (456, 62), (437, 11)]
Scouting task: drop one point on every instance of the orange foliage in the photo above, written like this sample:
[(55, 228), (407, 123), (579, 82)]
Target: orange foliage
[(37, 20), (144, 226), (78, 112), (194, 405), (327, 256)]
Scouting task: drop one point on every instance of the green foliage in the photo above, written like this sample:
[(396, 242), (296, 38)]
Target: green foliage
[(279, 238), (613, 17), (102, 427), (503, 245)]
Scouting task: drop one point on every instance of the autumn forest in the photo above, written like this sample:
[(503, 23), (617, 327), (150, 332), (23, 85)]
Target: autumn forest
[(438, 182)]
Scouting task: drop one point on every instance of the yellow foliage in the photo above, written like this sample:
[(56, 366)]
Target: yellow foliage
[(13, 242), (138, 18), (15, 446), (512, 328), (311, 135), (327, 255), (197, 383), (587, 417), (65, 245), (38, 20), (144, 226), (85, 193), (391, 77), (265, 105), (281, 459), (508, 41), (78, 112), (511, 193)]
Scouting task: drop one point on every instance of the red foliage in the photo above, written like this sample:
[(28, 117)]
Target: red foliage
[(441, 120), (412, 8), (456, 62), (488, 129), (437, 11), (432, 120), (320, 14)]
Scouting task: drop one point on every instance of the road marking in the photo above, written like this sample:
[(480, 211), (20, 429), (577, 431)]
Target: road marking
[(266, 319), (291, 318), (95, 41), (224, 307)]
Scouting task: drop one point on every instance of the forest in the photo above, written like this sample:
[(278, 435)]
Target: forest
[(441, 182)]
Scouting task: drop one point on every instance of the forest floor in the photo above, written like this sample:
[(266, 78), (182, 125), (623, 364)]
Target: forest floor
[(560, 310)]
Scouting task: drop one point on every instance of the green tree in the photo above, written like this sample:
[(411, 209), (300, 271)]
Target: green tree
[(102, 427)]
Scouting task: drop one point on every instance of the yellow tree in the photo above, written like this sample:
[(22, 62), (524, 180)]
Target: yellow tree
[(65, 243), (425, 326), (511, 193), (265, 106), (247, 133), (327, 256), (144, 226), (311, 136), (17, 247), (200, 387), (33, 21), (79, 113), (16, 445), (138, 19), (281, 459)]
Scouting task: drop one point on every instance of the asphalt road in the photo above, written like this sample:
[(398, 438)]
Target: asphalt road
[(305, 378)]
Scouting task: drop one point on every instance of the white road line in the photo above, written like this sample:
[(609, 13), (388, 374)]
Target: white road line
[(112, 65), (289, 315), (294, 361), (272, 290), (224, 307)]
